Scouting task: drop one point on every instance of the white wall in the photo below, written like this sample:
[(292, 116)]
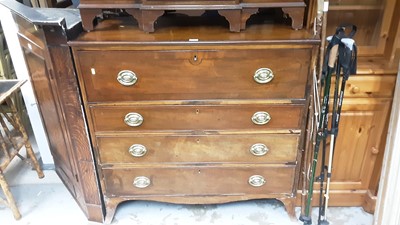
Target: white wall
[(388, 206)]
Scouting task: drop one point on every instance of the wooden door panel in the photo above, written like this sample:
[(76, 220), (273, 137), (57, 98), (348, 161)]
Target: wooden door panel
[(361, 125)]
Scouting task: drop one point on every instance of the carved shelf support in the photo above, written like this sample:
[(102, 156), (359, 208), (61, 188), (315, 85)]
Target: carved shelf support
[(246, 13), (237, 18), (297, 15), (234, 18), (88, 16), (148, 19), (137, 14)]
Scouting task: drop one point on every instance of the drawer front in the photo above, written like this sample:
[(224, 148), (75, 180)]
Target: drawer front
[(377, 86), (188, 75), (189, 118), (150, 149), (198, 180)]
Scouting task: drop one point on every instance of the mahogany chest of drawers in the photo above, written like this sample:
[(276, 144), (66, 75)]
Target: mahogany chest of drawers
[(195, 114)]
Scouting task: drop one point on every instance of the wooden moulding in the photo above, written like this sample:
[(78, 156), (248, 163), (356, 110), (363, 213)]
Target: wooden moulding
[(149, 11)]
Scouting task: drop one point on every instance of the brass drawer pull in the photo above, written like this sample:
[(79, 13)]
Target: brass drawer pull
[(259, 149), (137, 150), (257, 180), (141, 182), (261, 118), (263, 75), (133, 119), (127, 78)]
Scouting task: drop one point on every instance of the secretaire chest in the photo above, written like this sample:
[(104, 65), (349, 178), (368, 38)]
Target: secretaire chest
[(195, 114)]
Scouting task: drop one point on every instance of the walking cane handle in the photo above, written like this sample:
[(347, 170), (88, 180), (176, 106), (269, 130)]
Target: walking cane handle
[(332, 56)]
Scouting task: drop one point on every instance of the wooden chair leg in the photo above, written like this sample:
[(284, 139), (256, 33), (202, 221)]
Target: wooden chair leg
[(34, 160), (10, 199), (29, 151)]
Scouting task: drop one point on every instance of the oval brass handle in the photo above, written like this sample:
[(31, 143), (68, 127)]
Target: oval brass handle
[(137, 150), (259, 149), (133, 119), (261, 118), (257, 180), (263, 75), (127, 78), (141, 182)]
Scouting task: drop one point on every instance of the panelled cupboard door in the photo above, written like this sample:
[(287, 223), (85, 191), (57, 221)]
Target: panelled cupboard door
[(361, 126), (49, 63), (375, 20), (358, 143)]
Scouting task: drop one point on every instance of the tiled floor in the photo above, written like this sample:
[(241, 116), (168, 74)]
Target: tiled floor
[(47, 201)]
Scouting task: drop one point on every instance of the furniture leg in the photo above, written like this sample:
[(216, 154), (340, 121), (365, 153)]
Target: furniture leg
[(10, 199), (111, 207), (289, 204), (35, 162)]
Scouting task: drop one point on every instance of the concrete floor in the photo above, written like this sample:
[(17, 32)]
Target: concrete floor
[(47, 201)]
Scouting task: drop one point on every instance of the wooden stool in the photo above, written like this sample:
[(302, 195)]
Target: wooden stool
[(12, 138)]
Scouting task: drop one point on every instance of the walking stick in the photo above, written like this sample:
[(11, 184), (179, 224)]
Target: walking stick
[(322, 132), (348, 62), (323, 120)]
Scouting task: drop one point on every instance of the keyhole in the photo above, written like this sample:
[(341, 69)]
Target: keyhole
[(195, 58), (197, 111)]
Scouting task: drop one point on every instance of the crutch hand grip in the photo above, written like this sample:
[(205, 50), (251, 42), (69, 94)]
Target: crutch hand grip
[(333, 55)]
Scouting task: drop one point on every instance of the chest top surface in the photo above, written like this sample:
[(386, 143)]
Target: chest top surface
[(180, 30)]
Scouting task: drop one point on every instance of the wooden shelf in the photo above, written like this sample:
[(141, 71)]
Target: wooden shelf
[(355, 7)]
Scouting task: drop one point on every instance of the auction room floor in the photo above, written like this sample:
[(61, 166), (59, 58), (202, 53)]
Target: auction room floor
[(47, 201)]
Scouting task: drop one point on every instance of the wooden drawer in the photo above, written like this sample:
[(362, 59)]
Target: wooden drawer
[(378, 86), (197, 180), (188, 75), (198, 149), (199, 117)]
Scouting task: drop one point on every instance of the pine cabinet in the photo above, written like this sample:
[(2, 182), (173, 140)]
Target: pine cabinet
[(366, 109)]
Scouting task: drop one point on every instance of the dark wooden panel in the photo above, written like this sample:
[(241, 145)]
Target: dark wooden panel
[(52, 73), (49, 111), (186, 75), (186, 149), (76, 133), (187, 117)]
